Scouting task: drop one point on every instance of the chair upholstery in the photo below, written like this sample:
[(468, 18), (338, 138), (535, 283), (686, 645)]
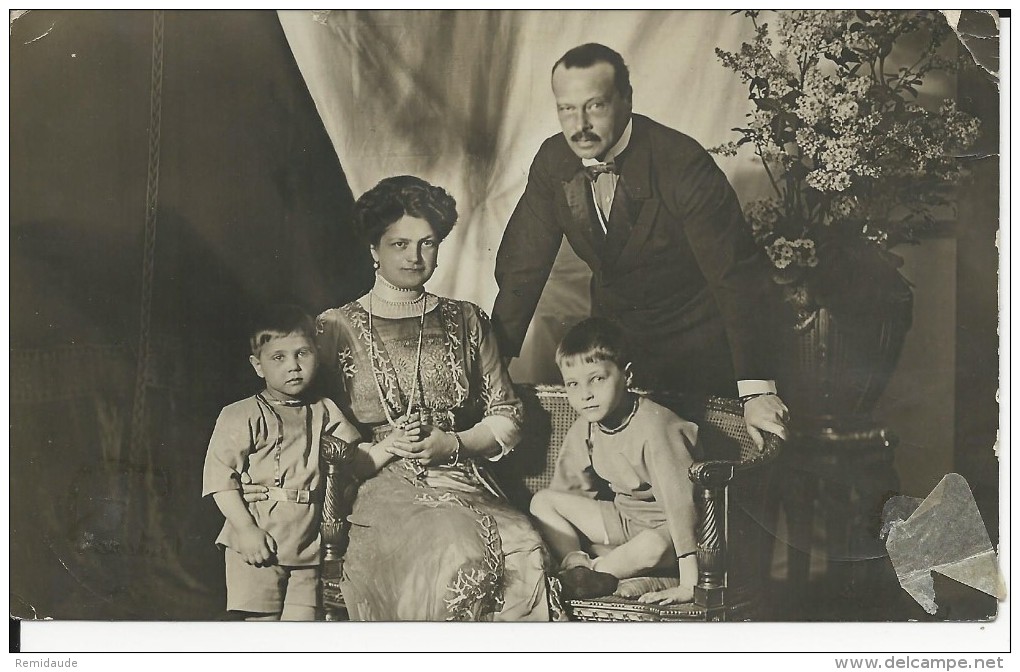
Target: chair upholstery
[(730, 485)]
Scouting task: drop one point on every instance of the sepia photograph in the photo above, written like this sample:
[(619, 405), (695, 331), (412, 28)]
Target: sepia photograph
[(515, 316)]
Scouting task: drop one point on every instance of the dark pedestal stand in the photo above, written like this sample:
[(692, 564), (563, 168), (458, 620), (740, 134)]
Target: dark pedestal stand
[(832, 489)]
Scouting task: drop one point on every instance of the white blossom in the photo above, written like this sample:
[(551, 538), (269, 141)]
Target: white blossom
[(853, 145)]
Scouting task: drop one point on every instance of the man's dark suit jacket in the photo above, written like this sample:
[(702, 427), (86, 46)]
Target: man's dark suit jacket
[(678, 268)]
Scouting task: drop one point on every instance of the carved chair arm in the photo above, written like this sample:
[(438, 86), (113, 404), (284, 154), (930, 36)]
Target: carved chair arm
[(718, 473), (711, 478), (713, 473), (339, 487)]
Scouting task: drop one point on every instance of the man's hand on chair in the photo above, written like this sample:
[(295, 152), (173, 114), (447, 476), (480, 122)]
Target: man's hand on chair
[(765, 413)]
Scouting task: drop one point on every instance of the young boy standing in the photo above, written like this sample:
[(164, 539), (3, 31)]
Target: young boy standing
[(642, 451), (271, 547)]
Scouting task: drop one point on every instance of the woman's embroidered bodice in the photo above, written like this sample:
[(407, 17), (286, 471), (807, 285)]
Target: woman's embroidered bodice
[(461, 377)]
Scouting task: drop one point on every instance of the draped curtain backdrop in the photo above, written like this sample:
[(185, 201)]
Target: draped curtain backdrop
[(463, 100)]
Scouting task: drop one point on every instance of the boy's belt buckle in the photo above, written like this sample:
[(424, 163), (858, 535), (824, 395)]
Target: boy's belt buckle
[(290, 495)]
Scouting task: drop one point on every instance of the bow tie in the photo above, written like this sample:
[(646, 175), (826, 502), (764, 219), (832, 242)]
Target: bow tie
[(594, 171)]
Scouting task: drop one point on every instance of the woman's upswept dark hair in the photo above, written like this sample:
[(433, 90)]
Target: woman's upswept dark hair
[(402, 195), (278, 320), (595, 339), (589, 54)]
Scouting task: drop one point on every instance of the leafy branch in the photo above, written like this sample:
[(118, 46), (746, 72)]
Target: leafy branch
[(846, 147)]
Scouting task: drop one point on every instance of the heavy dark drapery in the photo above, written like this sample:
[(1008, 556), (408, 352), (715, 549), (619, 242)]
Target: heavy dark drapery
[(182, 148)]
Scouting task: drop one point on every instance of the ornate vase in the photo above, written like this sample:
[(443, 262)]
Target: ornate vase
[(839, 462), (839, 360), (840, 365)]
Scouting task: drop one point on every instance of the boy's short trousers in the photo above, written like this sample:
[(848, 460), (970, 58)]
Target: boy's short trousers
[(621, 529), (266, 589)]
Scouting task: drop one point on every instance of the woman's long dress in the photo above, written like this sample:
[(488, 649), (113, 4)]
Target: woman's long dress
[(435, 545)]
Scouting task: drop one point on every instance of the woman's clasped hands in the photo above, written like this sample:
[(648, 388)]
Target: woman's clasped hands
[(415, 440)]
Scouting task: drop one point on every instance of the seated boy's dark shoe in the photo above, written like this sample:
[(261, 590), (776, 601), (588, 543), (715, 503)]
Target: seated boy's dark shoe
[(581, 583)]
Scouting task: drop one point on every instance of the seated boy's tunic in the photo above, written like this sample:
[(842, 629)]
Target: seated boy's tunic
[(277, 443), (645, 464)]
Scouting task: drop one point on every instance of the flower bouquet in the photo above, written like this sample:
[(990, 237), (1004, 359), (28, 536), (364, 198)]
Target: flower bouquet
[(856, 163)]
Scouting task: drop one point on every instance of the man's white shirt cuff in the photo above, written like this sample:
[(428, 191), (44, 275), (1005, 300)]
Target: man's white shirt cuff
[(746, 388)]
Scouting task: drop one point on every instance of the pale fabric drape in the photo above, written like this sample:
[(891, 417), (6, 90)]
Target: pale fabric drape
[(463, 100)]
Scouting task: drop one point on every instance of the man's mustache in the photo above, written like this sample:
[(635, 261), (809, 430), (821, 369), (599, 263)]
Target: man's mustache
[(582, 136)]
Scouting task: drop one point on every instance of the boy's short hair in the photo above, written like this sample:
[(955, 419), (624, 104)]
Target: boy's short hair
[(595, 339), (278, 320)]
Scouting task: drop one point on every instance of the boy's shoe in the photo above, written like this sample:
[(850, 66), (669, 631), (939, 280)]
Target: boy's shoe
[(582, 583)]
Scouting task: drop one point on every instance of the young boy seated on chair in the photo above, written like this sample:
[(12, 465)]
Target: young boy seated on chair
[(642, 451), (271, 547)]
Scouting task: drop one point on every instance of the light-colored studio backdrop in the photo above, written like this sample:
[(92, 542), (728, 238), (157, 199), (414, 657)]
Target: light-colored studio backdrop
[(462, 99)]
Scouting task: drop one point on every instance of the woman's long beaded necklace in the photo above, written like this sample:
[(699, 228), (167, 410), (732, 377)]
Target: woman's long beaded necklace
[(417, 358)]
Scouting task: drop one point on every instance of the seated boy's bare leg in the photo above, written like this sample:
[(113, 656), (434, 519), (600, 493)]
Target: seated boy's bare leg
[(561, 516), (648, 550)]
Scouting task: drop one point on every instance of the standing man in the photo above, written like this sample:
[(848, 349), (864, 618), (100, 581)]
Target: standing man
[(660, 227)]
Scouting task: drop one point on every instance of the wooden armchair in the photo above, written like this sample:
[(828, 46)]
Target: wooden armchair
[(730, 487), (340, 489)]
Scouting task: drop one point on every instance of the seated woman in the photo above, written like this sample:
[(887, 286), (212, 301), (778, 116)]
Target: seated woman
[(423, 378)]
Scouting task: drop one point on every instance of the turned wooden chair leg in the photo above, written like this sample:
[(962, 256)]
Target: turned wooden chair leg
[(333, 529), (710, 591)]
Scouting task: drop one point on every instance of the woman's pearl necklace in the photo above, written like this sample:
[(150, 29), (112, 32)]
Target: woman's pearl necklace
[(409, 302), (390, 285)]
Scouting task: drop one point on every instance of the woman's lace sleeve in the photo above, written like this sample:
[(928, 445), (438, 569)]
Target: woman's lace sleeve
[(503, 411)]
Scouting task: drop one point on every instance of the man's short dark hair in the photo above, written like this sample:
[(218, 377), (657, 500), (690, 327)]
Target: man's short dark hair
[(589, 54), (276, 321), (595, 339)]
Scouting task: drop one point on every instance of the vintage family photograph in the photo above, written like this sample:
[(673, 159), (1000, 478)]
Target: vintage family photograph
[(505, 315)]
